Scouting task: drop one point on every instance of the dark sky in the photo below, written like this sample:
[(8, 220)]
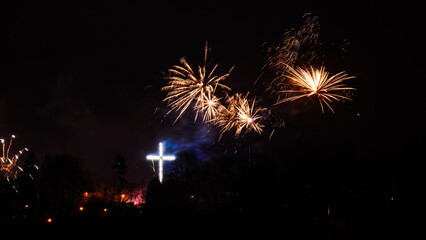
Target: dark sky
[(85, 78)]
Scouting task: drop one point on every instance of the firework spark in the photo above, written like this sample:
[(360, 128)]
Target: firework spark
[(248, 117), (239, 114), (316, 82), (8, 166), (210, 106), (187, 86)]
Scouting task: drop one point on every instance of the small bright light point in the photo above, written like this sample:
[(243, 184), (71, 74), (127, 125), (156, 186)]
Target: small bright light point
[(81, 208), (49, 220), (105, 209), (13, 136), (26, 205)]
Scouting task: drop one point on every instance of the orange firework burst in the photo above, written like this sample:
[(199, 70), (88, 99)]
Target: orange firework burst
[(187, 86), (8, 166), (210, 106), (239, 114), (316, 82)]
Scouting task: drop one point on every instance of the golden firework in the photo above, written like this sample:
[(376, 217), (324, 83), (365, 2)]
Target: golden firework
[(316, 82), (239, 114), (210, 106), (187, 87), (8, 166)]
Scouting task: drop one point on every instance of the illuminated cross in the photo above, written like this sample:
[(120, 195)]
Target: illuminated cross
[(160, 157)]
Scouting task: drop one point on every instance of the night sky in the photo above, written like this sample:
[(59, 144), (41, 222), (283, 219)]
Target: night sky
[(85, 78)]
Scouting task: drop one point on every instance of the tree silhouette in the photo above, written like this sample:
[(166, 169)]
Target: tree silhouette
[(62, 184), (7, 200), (18, 197), (166, 199), (184, 170), (120, 164)]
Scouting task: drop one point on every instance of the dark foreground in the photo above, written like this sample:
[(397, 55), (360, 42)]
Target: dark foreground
[(201, 227)]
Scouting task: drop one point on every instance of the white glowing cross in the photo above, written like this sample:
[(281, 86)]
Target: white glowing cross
[(160, 157)]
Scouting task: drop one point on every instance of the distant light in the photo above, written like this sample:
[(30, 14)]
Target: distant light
[(192, 197), (49, 220), (26, 205), (81, 208), (105, 209), (391, 198), (86, 194)]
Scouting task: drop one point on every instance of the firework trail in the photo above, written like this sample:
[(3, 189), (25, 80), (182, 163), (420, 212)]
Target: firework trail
[(297, 46), (8, 166), (194, 88), (316, 82)]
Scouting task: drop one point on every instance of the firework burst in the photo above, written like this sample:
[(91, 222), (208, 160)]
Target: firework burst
[(210, 106), (316, 82), (8, 166), (189, 89), (297, 46), (239, 114), (194, 88)]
